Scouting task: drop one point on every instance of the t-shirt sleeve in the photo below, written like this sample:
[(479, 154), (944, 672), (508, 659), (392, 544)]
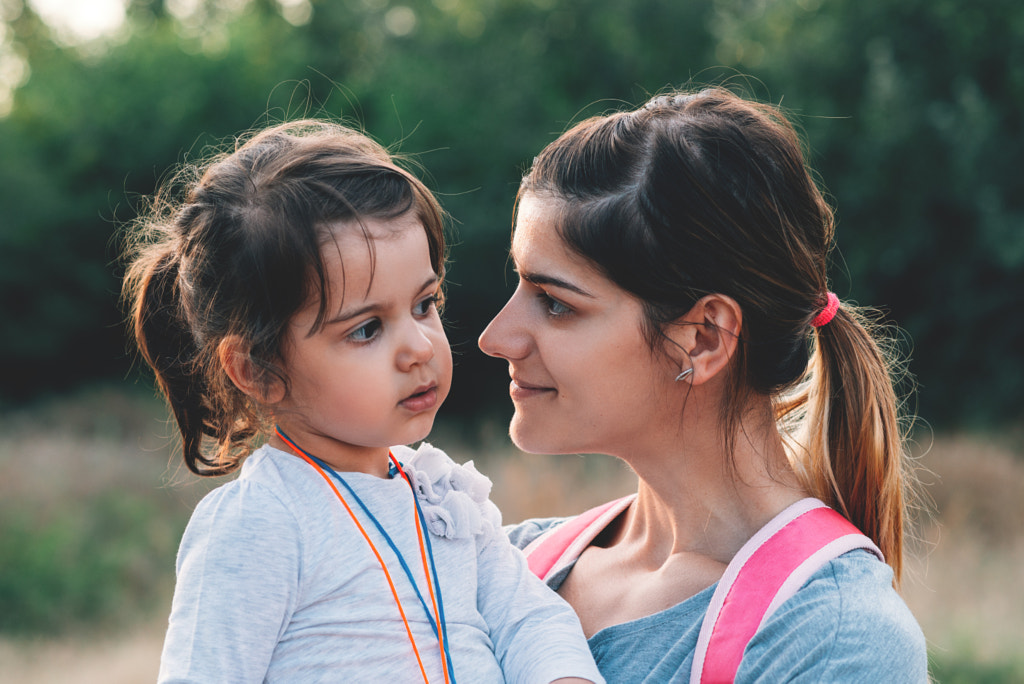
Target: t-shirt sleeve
[(237, 580), (846, 625), (537, 636), (525, 532)]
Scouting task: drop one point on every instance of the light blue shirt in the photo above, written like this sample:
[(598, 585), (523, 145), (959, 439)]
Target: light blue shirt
[(276, 584), (846, 624)]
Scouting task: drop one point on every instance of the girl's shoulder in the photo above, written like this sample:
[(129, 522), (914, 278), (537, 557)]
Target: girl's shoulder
[(265, 483), (454, 497), (847, 618)]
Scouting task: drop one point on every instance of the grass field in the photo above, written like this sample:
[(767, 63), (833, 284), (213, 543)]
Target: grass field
[(92, 505)]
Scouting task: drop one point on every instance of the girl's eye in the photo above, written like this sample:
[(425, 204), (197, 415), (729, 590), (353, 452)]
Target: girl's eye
[(366, 332), (554, 307), (424, 306)]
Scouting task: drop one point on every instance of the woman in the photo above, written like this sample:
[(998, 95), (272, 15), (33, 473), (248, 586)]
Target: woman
[(673, 311)]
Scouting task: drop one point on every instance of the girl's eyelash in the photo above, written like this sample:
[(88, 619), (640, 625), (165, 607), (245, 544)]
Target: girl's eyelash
[(370, 330), (367, 332), (428, 302)]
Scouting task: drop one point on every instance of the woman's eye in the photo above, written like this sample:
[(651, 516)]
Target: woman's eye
[(424, 306), (554, 307), (366, 332)]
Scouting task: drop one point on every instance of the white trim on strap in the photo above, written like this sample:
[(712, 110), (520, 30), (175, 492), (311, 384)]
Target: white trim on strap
[(732, 571), (583, 539), (814, 562)]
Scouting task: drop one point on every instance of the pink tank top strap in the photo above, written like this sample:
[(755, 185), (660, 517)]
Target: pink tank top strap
[(563, 543), (767, 570)]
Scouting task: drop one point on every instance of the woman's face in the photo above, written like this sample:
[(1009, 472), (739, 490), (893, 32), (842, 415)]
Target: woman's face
[(583, 376)]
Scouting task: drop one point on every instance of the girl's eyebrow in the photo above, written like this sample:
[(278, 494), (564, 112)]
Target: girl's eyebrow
[(552, 281), (349, 314)]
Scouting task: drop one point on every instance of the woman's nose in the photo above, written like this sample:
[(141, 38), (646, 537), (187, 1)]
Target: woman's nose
[(505, 337)]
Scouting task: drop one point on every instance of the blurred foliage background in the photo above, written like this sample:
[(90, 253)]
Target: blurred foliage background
[(913, 112)]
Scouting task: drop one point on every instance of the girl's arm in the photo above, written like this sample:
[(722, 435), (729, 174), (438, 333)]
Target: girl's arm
[(537, 636), (236, 587)]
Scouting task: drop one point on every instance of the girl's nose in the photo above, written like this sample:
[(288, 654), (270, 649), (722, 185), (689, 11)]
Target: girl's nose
[(417, 347)]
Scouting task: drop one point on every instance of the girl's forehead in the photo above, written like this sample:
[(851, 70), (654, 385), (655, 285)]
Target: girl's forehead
[(361, 246)]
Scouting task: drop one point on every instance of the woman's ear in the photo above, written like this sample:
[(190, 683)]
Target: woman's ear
[(233, 354), (707, 335)]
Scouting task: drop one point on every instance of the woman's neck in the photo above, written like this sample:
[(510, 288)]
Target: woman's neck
[(701, 498)]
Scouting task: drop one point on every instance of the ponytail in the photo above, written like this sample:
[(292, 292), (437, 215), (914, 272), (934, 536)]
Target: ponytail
[(166, 343), (706, 192), (853, 455), (232, 249)]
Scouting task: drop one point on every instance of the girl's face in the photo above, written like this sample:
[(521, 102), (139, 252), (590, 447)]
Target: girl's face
[(376, 373), (583, 376)]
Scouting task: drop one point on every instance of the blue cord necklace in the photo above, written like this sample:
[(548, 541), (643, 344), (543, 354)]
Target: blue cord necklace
[(396, 468)]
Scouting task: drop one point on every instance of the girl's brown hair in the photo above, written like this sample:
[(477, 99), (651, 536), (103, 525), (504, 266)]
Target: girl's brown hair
[(706, 192), (233, 249)]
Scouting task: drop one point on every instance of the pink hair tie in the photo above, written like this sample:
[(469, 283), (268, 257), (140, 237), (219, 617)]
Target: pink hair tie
[(829, 312)]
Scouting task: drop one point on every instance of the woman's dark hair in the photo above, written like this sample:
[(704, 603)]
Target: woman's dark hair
[(707, 192), (232, 249)]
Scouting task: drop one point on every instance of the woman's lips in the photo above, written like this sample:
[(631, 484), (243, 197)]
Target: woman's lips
[(520, 390), (420, 400)]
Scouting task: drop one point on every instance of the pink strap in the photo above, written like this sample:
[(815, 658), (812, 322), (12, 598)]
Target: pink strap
[(563, 543), (769, 569)]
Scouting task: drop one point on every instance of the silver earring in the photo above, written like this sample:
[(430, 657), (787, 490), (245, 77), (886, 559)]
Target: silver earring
[(685, 374)]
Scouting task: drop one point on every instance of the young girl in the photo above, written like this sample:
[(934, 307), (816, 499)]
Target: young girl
[(292, 295)]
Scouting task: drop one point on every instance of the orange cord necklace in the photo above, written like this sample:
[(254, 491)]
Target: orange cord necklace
[(438, 612)]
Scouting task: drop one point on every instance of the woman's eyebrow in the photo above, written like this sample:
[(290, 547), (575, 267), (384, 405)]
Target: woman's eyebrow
[(552, 281)]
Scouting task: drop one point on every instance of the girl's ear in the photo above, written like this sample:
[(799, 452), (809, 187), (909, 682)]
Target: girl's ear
[(234, 358), (707, 335)]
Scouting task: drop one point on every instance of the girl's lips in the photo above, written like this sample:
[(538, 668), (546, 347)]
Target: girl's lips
[(525, 391), (421, 400)]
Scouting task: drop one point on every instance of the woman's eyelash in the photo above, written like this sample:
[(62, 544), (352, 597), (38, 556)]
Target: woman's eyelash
[(555, 308)]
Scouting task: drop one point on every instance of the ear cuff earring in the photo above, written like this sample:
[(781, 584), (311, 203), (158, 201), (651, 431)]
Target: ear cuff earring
[(685, 374)]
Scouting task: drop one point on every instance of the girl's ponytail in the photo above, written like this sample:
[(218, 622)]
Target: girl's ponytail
[(231, 249), (167, 345), (854, 442)]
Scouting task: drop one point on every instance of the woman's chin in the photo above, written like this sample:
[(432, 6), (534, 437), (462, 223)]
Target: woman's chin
[(532, 439)]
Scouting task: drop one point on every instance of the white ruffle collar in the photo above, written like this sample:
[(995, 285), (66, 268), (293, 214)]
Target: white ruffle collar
[(454, 497)]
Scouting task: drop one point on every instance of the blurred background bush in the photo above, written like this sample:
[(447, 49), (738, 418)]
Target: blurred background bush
[(912, 111)]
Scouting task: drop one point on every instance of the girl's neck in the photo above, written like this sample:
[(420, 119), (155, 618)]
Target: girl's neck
[(343, 458)]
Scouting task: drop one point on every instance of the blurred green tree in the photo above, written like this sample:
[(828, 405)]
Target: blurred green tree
[(912, 109)]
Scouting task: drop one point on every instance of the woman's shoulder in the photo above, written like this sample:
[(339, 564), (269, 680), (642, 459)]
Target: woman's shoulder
[(521, 534), (847, 623)]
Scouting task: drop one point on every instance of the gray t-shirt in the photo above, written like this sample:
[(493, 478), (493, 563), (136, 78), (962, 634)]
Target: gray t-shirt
[(846, 624), (276, 584)]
